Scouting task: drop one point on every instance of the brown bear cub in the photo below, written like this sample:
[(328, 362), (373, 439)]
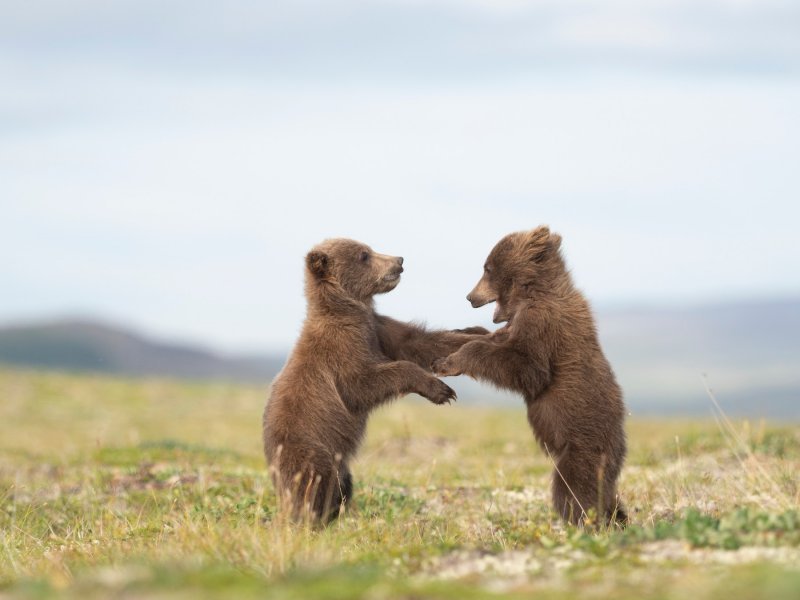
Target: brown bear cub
[(549, 352), (347, 361)]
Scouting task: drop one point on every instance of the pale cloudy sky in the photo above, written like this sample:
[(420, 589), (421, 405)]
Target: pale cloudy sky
[(169, 164)]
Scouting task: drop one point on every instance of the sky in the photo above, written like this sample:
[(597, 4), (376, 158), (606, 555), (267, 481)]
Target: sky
[(168, 165)]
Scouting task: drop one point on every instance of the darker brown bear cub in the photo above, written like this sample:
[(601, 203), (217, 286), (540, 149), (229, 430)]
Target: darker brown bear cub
[(347, 361), (549, 352)]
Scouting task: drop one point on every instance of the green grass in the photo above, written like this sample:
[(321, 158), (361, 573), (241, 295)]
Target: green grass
[(129, 488)]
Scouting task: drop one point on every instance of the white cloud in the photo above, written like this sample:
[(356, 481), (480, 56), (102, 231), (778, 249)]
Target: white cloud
[(412, 40), (195, 222), (631, 32), (171, 164)]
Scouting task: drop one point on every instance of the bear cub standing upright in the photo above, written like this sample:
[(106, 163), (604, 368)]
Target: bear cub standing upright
[(549, 352), (347, 361)]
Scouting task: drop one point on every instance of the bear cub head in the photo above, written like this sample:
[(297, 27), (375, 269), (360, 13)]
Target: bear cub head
[(354, 267), (519, 267)]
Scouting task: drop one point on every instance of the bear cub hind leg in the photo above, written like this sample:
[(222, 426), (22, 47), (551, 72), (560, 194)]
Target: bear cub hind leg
[(592, 486)]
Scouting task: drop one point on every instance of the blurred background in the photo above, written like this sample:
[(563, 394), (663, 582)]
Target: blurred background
[(164, 167)]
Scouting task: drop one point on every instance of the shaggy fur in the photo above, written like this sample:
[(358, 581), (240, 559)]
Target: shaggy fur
[(548, 351), (348, 361)]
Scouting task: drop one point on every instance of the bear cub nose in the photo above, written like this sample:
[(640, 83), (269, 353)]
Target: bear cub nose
[(474, 301)]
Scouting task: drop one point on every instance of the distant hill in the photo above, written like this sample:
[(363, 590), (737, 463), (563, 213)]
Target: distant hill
[(83, 345), (749, 352)]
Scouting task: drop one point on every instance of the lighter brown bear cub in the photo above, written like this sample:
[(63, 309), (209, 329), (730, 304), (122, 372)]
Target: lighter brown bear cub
[(549, 352), (348, 361)]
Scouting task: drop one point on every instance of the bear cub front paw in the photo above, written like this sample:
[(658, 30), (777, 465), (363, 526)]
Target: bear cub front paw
[(476, 330), (445, 367), (440, 392)]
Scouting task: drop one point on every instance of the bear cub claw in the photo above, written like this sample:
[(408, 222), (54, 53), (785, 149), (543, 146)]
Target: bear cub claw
[(441, 393)]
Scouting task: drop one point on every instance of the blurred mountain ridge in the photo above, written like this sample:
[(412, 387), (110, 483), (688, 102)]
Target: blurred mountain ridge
[(94, 346), (747, 351)]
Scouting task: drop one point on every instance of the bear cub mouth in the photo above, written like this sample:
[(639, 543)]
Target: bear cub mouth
[(498, 316), (393, 275)]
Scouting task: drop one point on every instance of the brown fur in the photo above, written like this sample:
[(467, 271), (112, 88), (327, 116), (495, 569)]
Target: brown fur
[(549, 352), (347, 361)]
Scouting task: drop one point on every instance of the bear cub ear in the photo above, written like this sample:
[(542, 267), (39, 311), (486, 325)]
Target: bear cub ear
[(317, 263), (536, 242), (540, 241)]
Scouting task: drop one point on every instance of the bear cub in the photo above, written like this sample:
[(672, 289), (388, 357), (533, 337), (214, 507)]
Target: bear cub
[(347, 361), (548, 351)]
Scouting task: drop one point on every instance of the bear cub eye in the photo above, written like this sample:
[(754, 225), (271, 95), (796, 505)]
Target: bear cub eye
[(364, 256)]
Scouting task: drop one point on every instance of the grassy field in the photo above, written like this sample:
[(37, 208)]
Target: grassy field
[(129, 488)]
